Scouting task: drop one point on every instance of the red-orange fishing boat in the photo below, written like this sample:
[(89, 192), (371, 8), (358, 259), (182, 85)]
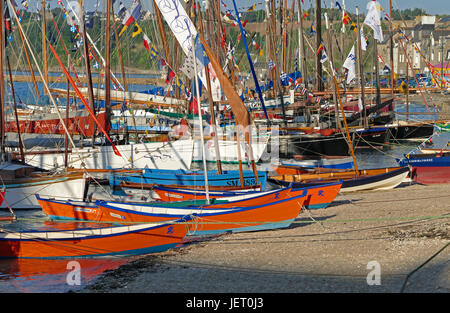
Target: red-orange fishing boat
[(91, 242)]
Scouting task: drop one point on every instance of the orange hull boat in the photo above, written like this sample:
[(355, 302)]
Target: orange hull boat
[(92, 242)]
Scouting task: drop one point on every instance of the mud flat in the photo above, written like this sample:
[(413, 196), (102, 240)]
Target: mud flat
[(401, 234)]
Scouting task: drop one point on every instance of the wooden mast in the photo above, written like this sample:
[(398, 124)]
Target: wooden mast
[(22, 154), (319, 83), (391, 48), (44, 45), (301, 48), (360, 68), (87, 64), (2, 90), (108, 68), (211, 105)]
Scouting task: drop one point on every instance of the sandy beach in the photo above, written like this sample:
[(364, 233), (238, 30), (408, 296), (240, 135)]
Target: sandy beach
[(368, 242)]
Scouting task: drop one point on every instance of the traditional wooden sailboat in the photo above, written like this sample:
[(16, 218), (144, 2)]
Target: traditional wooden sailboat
[(91, 242)]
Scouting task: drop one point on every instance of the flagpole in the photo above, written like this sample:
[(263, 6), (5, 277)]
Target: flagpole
[(319, 83), (391, 48)]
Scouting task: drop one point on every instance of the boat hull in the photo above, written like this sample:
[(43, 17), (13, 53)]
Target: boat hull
[(92, 242)]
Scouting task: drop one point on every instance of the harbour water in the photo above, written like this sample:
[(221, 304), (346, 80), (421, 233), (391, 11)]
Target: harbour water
[(29, 275)]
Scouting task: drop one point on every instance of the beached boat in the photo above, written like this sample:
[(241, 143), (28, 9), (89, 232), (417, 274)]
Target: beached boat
[(151, 177), (317, 196), (371, 179), (211, 219), (91, 242), (80, 210), (427, 168), (21, 183)]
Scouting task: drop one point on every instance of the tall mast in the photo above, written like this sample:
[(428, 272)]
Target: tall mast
[(319, 83), (360, 67), (2, 90), (87, 63), (377, 74), (391, 49), (301, 47), (108, 68), (211, 105), (44, 44)]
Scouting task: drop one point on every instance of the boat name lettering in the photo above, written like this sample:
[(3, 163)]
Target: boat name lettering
[(86, 210), (117, 215), (237, 182)]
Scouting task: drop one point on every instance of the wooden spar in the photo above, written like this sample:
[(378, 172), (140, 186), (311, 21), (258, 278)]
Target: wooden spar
[(22, 155), (162, 32), (283, 25), (391, 50), (319, 83), (2, 86), (301, 47), (205, 169), (44, 45), (108, 68), (87, 64), (238, 142), (33, 78), (336, 110), (66, 144), (407, 91), (360, 68), (240, 112), (377, 73), (122, 69), (211, 107)]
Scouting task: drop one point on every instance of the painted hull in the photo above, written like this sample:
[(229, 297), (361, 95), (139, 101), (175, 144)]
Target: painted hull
[(92, 242), (227, 179), (338, 163), (166, 194), (162, 155), (207, 221), (429, 168), (317, 197), (20, 193), (389, 178), (89, 211)]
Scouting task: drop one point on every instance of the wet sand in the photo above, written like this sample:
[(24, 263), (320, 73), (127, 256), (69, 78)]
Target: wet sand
[(404, 230)]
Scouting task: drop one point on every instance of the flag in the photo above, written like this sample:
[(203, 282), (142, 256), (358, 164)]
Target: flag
[(90, 23), (250, 9), (353, 27), (373, 20), (136, 31), (350, 65), (346, 18), (245, 23), (312, 30), (324, 57), (146, 42), (319, 49), (380, 59), (364, 42), (170, 76), (122, 9), (130, 18), (305, 15), (271, 65), (338, 5), (303, 91)]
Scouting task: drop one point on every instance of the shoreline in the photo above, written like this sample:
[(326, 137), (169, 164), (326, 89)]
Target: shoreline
[(324, 251)]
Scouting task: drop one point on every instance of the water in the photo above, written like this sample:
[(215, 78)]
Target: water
[(27, 275)]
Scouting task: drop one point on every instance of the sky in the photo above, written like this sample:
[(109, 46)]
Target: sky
[(430, 6)]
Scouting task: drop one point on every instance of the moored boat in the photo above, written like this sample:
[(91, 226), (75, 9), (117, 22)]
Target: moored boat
[(91, 242), (427, 168), (371, 179)]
